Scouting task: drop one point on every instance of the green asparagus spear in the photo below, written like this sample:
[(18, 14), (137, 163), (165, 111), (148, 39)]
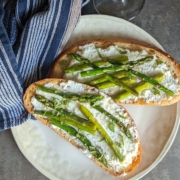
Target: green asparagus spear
[(103, 70), (118, 74), (114, 68), (153, 82), (66, 120), (114, 119), (61, 110), (86, 64), (83, 60), (132, 63), (89, 115), (73, 132), (121, 84), (118, 60), (70, 130), (81, 67), (109, 84), (73, 97), (139, 87)]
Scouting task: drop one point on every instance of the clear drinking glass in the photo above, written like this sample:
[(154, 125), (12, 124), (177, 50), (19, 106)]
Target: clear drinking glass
[(126, 9)]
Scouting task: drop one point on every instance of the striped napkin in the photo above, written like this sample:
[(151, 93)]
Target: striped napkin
[(32, 34)]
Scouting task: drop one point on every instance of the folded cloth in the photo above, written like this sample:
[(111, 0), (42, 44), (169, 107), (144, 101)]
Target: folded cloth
[(32, 34)]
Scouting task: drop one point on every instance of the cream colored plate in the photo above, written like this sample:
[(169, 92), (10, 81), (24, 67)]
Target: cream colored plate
[(58, 159)]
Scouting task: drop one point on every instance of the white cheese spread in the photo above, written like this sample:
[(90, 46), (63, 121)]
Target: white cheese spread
[(130, 148), (150, 68)]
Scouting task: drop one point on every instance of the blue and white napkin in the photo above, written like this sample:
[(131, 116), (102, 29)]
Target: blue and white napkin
[(32, 34)]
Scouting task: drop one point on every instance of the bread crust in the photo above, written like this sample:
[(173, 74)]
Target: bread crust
[(57, 70), (30, 92)]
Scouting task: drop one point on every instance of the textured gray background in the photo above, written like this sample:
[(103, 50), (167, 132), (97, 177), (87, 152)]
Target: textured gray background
[(161, 19)]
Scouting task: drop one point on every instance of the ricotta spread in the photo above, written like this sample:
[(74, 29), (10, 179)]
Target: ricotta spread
[(150, 68), (130, 148)]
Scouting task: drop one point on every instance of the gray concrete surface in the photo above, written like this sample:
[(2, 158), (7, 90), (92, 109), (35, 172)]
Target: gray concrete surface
[(159, 18)]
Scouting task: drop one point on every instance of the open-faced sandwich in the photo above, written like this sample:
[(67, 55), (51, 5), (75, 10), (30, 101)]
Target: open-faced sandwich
[(130, 73), (89, 119)]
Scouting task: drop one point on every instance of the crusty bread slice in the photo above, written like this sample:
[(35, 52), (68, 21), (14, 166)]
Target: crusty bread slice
[(58, 69), (66, 87)]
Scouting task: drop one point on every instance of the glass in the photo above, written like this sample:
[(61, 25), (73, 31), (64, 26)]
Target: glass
[(126, 9)]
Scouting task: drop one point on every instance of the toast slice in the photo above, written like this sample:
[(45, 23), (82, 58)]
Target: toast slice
[(89, 120), (130, 73)]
